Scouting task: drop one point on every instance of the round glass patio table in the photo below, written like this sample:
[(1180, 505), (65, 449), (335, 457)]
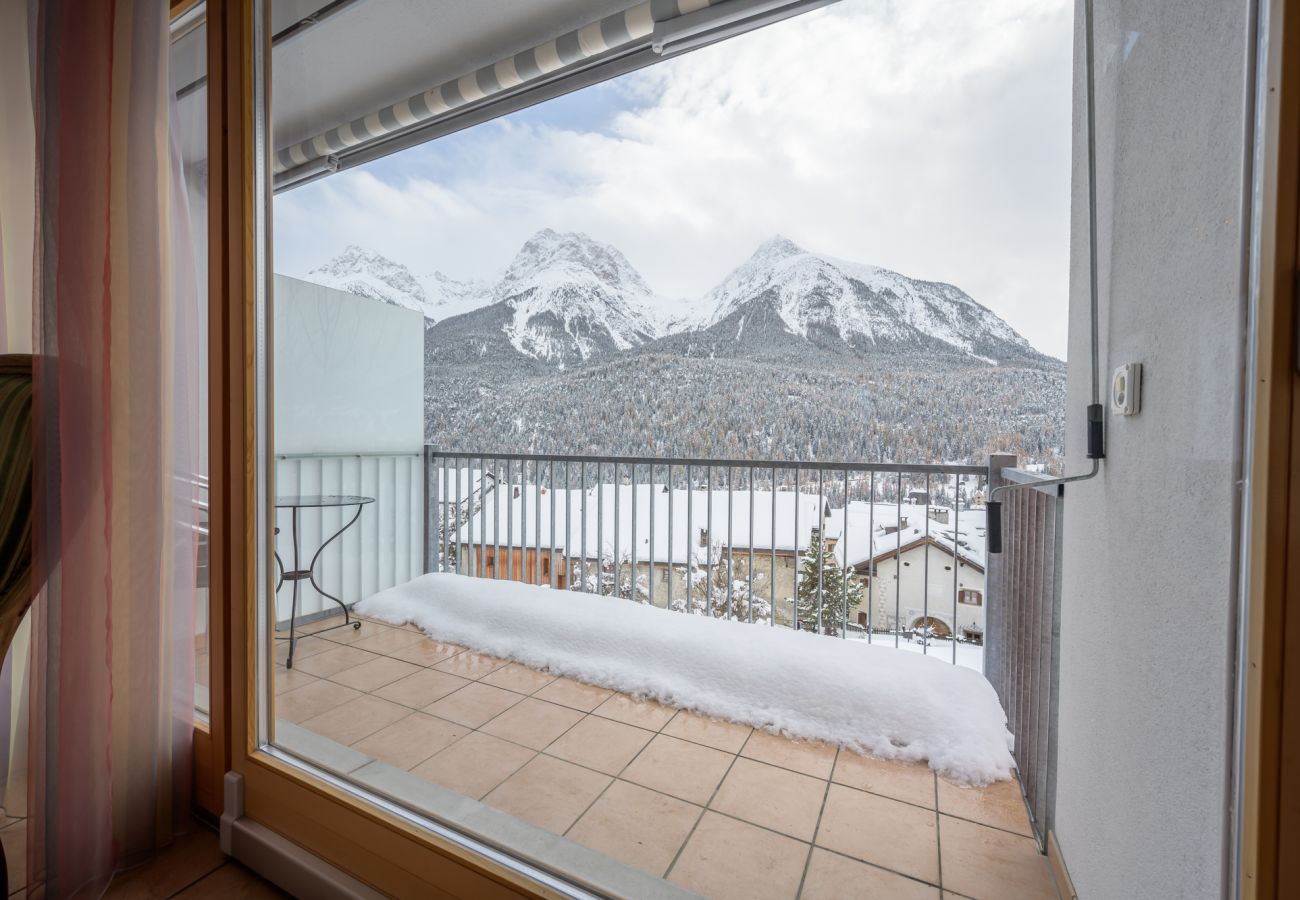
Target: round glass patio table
[(296, 503)]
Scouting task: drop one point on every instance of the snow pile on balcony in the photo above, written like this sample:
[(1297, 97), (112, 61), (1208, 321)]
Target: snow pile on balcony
[(869, 699)]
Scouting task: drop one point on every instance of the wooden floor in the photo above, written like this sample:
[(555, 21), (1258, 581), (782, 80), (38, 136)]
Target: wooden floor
[(193, 867)]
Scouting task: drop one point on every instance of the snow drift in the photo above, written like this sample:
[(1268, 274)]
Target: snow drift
[(869, 699)]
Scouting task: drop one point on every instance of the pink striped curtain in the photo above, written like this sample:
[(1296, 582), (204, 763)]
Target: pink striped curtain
[(112, 664)]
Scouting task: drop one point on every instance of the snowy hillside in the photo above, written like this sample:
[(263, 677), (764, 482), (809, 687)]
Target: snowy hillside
[(370, 274)]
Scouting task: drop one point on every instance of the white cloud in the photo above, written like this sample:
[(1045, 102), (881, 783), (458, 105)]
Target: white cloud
[(927, 136)]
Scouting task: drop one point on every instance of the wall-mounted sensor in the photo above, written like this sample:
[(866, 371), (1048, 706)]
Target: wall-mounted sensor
[(1126, 389)]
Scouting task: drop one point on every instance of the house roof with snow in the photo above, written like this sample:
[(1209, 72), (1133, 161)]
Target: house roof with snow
[(869, 531), (781, 521)]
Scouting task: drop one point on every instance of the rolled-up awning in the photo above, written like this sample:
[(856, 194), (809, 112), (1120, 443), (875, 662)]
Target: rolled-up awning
[(650, 24)]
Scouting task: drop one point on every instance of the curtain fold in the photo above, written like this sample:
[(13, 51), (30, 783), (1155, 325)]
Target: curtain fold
[(111, 662)]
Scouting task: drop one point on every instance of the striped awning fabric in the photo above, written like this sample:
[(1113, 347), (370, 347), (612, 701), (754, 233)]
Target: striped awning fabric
[(620, 30)]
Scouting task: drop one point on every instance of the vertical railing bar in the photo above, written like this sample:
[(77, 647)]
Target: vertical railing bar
[(925, 576), (496, 518), (442, 514), (433, 496), (898, 560), (551, 543), (690, 538), (731, 543), (600, 528), (708, 553), (510, 520), (459, 554), (537, 522), (821, 548), (668, 601), (798, 563), (749, 599), (650, 552), (632, 525), (567, 555), (771, 578), (618, 522), (582, 478), (956, 561), (871, 555), (844, 545)]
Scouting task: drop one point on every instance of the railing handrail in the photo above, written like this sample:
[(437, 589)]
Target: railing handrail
[(351, 454), (828, 466), (1021, 476)]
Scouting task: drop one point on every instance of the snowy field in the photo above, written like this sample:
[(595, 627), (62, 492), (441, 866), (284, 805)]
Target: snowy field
[(871, 699)]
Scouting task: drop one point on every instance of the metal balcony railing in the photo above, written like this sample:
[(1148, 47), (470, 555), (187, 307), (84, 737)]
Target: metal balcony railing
[(1022, 658), (785, 544)]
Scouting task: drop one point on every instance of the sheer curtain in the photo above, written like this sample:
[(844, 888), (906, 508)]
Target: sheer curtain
[(111, 663)]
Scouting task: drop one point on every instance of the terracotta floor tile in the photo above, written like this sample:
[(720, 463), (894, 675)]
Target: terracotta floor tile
[(575, 694), (289, 679), (410, 741), (809, 757), (640, 827), (550, 793), (725, 858), (474, 704), (641, 713), (834, 877), (715, 733), (532, 722), (474, 765), (376, 673), (336, 659), (312, 699), (518, 678), (422, 688), (911, 782), (470, 665), (355, 719), (775, 798), (387, 641), (303, 648), (685, 770), (600, 744), (881, 831), (329, 630), (425, 652), (1000, 804), (990, 864)]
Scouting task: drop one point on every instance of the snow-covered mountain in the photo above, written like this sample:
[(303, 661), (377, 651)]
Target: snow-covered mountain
[(835, 304), (566, 299), (369, 274), (570, 297)]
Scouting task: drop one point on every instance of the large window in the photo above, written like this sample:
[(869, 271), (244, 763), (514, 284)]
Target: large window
[(602, 355)]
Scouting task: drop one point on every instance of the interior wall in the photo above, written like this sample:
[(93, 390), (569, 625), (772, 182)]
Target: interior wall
[(1148, 564)]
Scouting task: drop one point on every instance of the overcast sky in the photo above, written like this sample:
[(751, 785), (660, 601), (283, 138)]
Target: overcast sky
[(931, 137)]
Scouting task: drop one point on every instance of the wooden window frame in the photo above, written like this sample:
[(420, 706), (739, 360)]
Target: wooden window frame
[(387, 851)]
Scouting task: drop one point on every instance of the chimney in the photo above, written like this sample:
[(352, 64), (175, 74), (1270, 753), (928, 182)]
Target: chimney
[(704, 537)]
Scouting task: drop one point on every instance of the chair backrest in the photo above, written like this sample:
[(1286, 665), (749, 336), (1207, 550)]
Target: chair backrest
[(17, 585)]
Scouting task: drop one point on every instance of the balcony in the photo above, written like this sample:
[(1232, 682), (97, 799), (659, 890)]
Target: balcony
[(646, 798)]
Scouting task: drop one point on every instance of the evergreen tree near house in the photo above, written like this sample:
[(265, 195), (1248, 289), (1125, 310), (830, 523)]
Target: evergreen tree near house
[(840, 592)]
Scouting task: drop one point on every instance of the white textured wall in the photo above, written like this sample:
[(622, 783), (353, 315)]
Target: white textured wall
[(349, 372), (1145, 662), (349, 390)]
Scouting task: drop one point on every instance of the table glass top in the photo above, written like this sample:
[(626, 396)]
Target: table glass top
[(316, 500)]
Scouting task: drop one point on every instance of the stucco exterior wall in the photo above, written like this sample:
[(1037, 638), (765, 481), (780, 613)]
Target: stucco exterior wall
[(1148, 563), (920, 594)]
